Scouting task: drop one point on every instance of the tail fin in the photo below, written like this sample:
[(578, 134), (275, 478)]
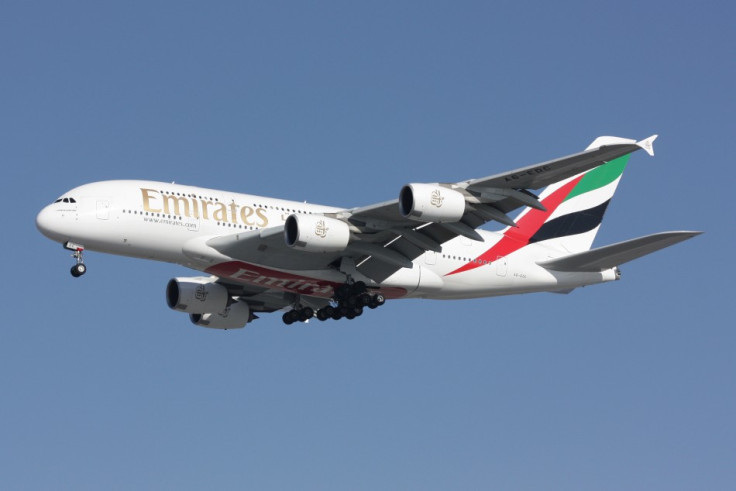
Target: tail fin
[(575, 206), (575, 222), (571, 212)]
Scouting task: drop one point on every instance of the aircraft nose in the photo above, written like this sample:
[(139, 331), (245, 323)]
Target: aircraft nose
[(45, 221)]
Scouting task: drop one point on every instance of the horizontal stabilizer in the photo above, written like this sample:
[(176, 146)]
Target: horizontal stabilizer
[(614, 255)]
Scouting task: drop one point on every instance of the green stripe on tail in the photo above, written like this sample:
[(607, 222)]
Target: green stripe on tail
[(600, 176)]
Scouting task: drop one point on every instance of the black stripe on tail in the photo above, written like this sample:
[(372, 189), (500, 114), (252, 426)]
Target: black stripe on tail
[(571, 224)]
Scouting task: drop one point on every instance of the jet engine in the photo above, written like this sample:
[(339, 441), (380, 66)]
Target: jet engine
[(316, 233), (431, 203), (235, 316), (197, 295)]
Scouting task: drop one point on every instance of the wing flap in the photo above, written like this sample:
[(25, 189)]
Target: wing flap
[(613, 255)]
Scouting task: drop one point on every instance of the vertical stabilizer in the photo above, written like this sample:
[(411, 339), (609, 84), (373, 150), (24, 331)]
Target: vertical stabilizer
[(582, 201), (575, 209), (568, 213)]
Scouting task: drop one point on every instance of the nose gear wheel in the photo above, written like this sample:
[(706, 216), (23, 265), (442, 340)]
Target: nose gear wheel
[(80, 268)]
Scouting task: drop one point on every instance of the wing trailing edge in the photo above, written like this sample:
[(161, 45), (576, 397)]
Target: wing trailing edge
[(613, 255)]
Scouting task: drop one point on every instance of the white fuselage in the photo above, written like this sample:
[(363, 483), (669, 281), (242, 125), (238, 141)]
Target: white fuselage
[(172, 222)]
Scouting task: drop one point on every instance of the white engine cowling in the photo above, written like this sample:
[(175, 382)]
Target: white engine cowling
[(197, 295), (316, 233), (236, 316), (431, 203)]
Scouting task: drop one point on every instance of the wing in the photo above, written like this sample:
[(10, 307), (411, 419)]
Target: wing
[(506, 191), (487, 199), (383, 239)]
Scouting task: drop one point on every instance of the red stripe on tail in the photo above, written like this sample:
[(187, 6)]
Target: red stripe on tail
[(516, 238)]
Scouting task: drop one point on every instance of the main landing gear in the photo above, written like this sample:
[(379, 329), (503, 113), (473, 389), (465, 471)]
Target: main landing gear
[(80, 268), (298, 315), (349, 302)]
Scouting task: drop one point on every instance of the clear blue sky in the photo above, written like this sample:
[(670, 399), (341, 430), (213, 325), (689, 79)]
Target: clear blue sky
[(629, 385)]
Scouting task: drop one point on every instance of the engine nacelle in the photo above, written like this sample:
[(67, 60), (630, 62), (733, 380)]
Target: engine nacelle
[(431, 203), (236, 316), (197, 295), (316, 233)]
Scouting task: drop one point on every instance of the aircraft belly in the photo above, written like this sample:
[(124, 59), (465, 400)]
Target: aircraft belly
[(485, 282), (405, 278), (319, 283)]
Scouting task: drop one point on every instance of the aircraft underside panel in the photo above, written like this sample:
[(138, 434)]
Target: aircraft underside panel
[(302, 284)]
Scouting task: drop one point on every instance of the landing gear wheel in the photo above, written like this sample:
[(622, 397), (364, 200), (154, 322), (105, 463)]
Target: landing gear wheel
[(287, 318), (78, 270), (376, 301), (358, 288), (325, 313), (306, 313), (342, 291)]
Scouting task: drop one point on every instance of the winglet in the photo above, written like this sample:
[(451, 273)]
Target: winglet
[(602, 141), (647, 145)]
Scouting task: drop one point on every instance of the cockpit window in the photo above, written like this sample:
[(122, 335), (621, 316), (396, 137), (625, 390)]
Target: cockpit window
[(58, 201), (65, 200)]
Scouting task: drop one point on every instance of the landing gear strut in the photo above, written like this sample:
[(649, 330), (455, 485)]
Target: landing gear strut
[(80, 268)]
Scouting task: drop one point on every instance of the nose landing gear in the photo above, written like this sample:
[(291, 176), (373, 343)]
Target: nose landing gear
[(80, 268)]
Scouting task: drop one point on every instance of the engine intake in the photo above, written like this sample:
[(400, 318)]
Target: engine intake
[(197, 295), (431, 203), (316, 233)]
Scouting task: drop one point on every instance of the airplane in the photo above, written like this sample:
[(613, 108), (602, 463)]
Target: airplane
[(263, 255)]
